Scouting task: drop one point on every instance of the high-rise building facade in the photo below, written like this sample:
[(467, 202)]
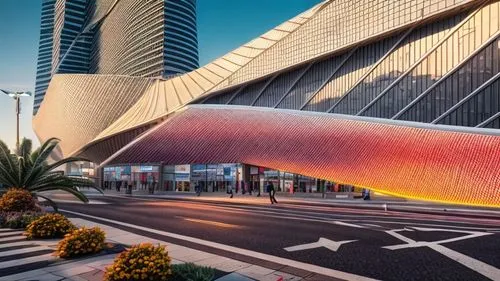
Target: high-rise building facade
[(155, 38), (44, 65)]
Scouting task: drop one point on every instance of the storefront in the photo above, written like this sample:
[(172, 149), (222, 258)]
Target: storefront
[(140, 177), (214, 178)]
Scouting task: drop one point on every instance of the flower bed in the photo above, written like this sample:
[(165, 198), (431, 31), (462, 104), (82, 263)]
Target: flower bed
[(18, 200), (141, 262), (19, 220), (81, 241), (49, 226)]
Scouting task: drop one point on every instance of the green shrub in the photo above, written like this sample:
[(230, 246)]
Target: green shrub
[(81, 242), (49, 226), (141, 262), (18, 219), (18, 200), (192, 272)]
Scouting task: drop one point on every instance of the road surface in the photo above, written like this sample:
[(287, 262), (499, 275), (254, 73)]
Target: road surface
[(375, 244)]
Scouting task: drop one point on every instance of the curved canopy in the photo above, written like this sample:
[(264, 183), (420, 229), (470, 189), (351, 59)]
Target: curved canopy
[(413, 160)]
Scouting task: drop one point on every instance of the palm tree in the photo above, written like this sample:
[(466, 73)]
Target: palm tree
[(31, 171)]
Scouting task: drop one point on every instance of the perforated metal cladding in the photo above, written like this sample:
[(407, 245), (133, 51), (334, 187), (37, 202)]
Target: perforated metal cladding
[(338, 25), (103, 149), (477, 109), (309, 83), (394, 61), (278, 87), (222, 98), (248, 94), (428, 164), (447, 53), (77, 108)]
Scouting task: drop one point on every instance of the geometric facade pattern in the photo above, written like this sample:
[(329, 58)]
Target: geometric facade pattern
[(151, 104), (157, 39), (394, 157), (443, 72), (382, 74)]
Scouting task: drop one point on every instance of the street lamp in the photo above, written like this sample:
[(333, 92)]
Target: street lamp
[(16, 96)]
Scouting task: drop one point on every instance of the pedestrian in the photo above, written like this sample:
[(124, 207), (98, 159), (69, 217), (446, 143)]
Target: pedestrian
[(272, 192), (197, 189), (230, 191)]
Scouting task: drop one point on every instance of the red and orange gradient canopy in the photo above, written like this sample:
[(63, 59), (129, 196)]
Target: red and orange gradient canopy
[(412, 160)]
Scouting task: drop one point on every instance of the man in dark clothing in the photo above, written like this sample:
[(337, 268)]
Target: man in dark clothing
[(272, 192)]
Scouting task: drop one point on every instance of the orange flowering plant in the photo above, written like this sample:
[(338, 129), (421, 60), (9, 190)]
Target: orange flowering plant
[(81, 242), (52, 225), (141, 262), (18, 200)]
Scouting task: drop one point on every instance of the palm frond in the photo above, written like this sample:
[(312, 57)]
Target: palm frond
[(50, 201), (65, 161), (71, 190)]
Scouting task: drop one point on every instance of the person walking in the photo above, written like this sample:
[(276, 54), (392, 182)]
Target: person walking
[(272, 192), (197, 189), (230, 191)]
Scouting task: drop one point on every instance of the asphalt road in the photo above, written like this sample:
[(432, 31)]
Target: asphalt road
[(469, 251)]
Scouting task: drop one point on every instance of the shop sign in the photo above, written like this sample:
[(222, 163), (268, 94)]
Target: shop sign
[(271, 173), (109, 169), (220, 171), (146, 168), (254, 170), (182, 169), (169, 169), (181, 177), (197, 176), (227, 174), (125, 170), (136, 169), (212, 166), (198, 168), (118, 172)]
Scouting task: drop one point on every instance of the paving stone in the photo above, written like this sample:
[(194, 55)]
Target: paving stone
[(94, 275), (255, 271), (43, 277), (73, 270), (275, 276), (24, 275), (234, 277)]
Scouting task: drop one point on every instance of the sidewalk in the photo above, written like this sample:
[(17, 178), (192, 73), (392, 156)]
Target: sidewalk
[(92, 269), (379, 203)]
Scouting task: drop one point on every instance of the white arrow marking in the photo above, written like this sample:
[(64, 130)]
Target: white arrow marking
[(322, 242), (476, 265)]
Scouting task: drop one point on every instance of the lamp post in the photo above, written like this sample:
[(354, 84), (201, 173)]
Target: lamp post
[(16, 96)]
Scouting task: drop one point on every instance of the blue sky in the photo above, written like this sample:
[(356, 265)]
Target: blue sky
[(223, 25)]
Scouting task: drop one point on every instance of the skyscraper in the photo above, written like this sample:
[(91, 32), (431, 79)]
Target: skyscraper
[(156, 38)]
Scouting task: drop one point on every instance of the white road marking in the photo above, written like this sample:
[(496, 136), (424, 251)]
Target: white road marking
[(371, 225), (18, 262), (322, 242), (20, 243), (244, 252), (346, 224), (3, 234), (476, 265), (7, 239), (24, 250)]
